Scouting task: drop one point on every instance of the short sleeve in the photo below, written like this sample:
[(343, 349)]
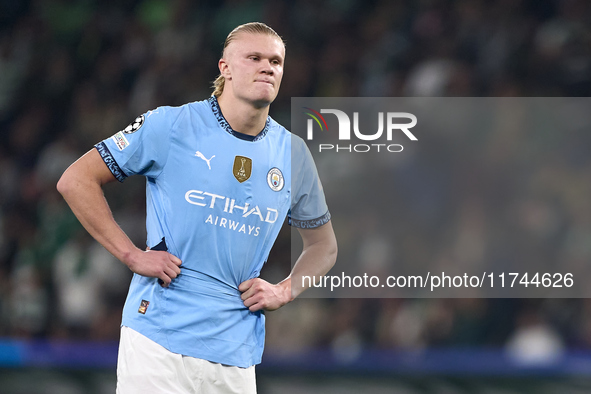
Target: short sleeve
[(308, 204), (142, 147)]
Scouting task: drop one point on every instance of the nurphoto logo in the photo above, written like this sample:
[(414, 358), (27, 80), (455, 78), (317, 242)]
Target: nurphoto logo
[(394, 123)]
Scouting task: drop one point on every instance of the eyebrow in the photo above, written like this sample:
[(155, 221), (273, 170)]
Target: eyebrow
[(255, 53)]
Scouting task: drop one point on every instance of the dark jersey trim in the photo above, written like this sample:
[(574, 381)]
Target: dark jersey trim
[(217, 112), (107, 157), (245, 137), (313, 223)]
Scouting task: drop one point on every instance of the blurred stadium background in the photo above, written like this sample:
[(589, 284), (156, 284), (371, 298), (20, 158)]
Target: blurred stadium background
[(75, 72)]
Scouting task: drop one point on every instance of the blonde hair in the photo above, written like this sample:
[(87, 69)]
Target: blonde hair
[(251, 28)]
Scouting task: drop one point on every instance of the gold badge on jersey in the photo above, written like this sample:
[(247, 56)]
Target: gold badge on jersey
[(242, 168)]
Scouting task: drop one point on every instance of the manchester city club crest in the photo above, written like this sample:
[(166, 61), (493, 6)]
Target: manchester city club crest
[(275, 179), (242, 168)]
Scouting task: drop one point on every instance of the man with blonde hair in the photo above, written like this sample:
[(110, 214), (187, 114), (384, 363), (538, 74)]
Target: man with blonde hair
[(219, 185)]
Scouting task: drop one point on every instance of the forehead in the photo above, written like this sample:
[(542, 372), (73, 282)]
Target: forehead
[(256, 42)]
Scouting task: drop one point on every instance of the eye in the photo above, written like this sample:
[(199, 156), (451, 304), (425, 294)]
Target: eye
[(276, 62), (255, 58)]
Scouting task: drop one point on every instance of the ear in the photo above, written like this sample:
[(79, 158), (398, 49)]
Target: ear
[(224, 69)]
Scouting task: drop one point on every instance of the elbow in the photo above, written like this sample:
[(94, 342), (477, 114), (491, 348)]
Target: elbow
[(84, 176), (64, 185), (333, 251)]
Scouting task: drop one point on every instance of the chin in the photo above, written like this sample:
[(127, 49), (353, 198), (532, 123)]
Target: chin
[(263, 100), (262, 103)]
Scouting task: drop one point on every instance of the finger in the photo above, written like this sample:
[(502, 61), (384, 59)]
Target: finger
[(173, 267), (248, 293), (246, 285), (175, 259), (250, 301), (170, 272), (165, 280)]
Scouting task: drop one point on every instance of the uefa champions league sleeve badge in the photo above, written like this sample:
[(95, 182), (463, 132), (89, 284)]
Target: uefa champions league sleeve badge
[(135, 125)]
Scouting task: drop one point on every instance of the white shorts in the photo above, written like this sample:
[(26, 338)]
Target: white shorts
[(145, 367)]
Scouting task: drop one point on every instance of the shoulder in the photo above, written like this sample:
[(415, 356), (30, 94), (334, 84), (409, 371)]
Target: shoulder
[(279, 129), (163, 114), (174, 111), (202, 105), (169, 115), (297, 144)]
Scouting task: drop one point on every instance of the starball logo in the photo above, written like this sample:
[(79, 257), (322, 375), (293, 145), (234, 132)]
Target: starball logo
[(394, 123)]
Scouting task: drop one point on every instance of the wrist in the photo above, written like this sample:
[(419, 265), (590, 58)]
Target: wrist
[(285, 286), (131, 257)]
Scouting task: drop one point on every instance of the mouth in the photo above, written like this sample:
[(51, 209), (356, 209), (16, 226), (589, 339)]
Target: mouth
[(267, 82)]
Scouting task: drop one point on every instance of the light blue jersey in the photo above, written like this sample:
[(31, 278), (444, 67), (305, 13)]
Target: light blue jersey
[(217, 202)]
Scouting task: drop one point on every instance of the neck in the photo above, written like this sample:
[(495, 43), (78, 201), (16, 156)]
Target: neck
[(243, 117)]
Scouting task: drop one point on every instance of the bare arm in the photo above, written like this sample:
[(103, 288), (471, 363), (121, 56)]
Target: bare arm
[(81, 186), (317, 258)]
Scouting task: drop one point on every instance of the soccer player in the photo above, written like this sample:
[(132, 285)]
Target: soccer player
[(219, 185)]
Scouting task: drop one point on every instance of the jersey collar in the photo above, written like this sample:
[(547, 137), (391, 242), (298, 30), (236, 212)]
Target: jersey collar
[(217, 112)]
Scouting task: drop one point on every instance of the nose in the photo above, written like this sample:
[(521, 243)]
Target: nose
[(266, 67)]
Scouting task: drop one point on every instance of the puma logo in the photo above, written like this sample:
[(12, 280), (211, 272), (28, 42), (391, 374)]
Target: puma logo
[(200, 155)]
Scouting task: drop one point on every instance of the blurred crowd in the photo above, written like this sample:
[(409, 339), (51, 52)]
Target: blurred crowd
[(73, 72)]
